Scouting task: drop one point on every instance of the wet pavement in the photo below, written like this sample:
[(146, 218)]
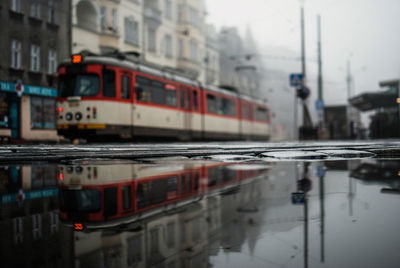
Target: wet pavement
[(231, 205)]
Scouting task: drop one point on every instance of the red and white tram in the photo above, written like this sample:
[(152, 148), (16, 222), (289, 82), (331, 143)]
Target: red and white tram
[(107, 96)]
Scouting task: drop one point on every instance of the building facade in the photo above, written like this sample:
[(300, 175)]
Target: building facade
[(167, 33), (34, 37)]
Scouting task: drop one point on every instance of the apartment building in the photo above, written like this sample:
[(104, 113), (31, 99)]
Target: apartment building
[(167, 33), (34, 37)]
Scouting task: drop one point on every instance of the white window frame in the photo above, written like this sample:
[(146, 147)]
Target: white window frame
[(168, 9), (16, 6), (52, 61), (168, 46), (193, 50), (180, 48), (35, 9), (37, 226), (114, 19), (151, 44), (103, 19), (35, 58), (51, 12), (16, 54), (18, 224), (131, 31)]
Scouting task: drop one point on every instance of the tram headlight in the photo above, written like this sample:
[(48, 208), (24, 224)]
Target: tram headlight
[(78, 116), (68, 116)]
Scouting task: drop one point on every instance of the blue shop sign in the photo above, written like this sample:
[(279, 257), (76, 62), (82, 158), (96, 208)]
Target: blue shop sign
[(28, 89)]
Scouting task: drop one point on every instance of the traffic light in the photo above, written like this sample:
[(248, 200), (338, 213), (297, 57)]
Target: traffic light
[(303, 92)]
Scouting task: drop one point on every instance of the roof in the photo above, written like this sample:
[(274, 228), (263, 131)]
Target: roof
[(374, 100)]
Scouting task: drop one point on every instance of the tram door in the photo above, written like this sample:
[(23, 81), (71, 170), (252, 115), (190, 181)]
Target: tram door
[(14, 118), (187, 115)]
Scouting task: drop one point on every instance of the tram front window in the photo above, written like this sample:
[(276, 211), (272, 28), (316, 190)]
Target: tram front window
[(79, 85)]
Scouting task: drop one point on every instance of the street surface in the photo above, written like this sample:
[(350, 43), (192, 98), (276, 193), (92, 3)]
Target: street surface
[(57, 153)]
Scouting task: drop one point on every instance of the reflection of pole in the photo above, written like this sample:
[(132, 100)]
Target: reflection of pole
[(351, 195), (305, 231), (322, 209)]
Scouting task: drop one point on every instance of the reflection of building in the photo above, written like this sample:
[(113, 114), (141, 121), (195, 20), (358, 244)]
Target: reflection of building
[(30, 49), (31, 235)]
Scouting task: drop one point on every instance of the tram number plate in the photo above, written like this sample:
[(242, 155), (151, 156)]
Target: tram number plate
[(73, 104)]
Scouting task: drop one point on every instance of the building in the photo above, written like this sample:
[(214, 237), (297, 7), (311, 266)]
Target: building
[(385, 119), (167, 33), (240, 62), (34, 37)]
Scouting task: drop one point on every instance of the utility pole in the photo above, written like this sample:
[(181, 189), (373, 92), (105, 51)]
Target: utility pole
[(320, 85)]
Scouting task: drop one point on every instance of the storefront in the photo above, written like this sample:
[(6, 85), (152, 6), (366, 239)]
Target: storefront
[(27, 112)]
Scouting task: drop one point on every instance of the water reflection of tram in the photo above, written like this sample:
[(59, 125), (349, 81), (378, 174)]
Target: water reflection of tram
[(100, 196)]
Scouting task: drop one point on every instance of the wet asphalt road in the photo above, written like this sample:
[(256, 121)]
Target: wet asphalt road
[(259, 150)]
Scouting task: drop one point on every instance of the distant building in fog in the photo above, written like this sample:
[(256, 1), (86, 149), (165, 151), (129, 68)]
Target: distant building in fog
[(240, 61), (34, 38)]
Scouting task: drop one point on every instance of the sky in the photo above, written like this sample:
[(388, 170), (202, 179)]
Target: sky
[(364, 32)]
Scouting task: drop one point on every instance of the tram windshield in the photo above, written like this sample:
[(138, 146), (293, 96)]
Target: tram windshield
[(79, 85), (80, 200)]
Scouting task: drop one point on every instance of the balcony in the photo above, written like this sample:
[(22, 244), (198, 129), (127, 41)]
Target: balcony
[(152, 14)]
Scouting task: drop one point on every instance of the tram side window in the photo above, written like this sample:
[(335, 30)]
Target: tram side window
[(142, 89), (170, 97), (109, 83), (246, 111), (181, 98), (195, 101), (261, 114), (127, 197), (125, 87), (211, 104), (227, 107), (187, 100), (157, 92)]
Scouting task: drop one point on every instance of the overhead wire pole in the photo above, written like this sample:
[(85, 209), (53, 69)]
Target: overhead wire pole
[(320, 85)]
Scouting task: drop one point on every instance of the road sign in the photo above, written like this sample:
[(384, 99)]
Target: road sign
[(319, 105), (298, 198), (320, 171), (296, 80)]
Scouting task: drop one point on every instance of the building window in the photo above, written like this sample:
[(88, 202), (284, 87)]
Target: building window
[(193, 16), (18, 224), (42, 113), (103, 18), (193, 50), (35, 10), (131, 31), (114, 20), (15, 54), (168, 46), (180, 48), (35, 58), (180, 13), (36, 226), (52, 61), (134, 250), (16, 6), (51, 15), (171, 234), (151, 39), (168, 9)]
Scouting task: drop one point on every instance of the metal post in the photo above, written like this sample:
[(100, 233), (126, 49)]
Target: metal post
[(303, 62), (320, 95)]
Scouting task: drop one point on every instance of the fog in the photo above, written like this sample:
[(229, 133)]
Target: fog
[(363, 32)]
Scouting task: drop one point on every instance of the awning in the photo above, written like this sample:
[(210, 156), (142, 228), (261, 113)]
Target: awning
[(374, 100)]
